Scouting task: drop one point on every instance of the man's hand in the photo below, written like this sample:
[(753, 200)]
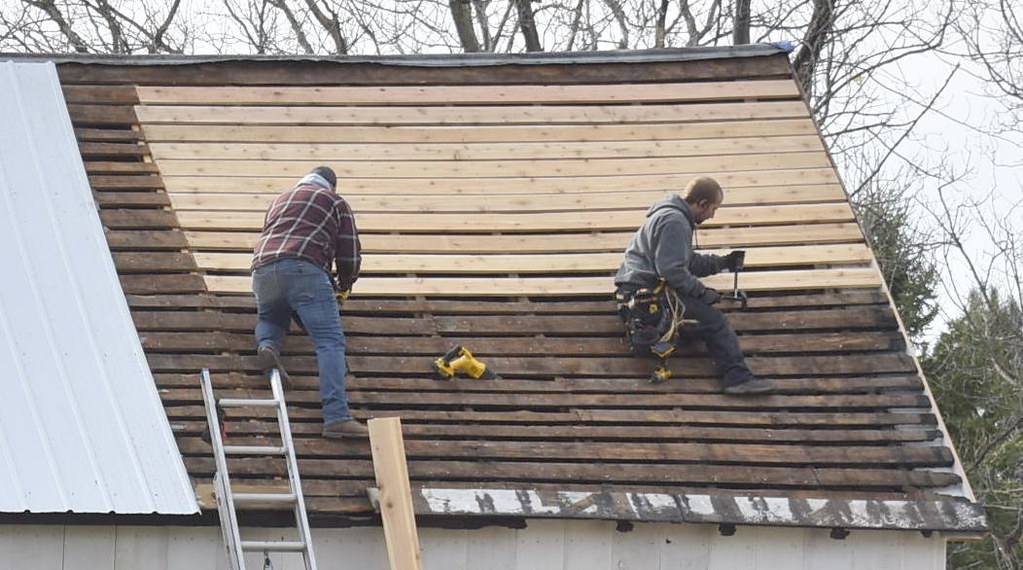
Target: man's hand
[(710, 296), (734, 261), (343, 295)]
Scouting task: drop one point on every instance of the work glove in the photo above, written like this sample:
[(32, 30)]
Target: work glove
[(735, 260), (710, 296), (343, 295)]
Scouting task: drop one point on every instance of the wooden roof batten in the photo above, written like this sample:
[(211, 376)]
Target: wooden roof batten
[(503, 236)]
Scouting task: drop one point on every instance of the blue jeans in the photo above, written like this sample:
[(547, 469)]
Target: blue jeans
[(296, 285)]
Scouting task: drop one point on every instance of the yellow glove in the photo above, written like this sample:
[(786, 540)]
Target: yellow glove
[(343, 295)]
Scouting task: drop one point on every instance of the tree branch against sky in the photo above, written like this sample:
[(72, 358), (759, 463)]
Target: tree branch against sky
[(296, 25), (95, 26), (992, 31), (331, 23), (60, 20)]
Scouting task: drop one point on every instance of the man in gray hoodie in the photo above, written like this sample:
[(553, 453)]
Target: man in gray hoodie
[(662, 249)]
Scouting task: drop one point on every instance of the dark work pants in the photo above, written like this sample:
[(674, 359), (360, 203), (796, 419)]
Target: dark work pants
[(722, 344)]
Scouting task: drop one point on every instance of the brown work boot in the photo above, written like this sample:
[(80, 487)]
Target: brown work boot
[(751, 387), (347, 429), (268, 360)]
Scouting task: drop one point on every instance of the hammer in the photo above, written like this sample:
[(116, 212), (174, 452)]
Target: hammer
[(737, 295)]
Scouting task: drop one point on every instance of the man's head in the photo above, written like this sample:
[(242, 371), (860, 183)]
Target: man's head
[(326, 174), (704, 195)]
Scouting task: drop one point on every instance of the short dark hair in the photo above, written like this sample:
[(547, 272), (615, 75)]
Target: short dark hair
[(704, 188), (327, 174)]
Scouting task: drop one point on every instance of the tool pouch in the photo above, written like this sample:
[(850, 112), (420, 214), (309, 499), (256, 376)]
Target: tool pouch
[(645, 316)]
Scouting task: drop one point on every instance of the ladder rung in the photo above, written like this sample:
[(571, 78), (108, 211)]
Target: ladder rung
[(273, 546), (254, 450), (228, 503), (264, 497), (243, 403)]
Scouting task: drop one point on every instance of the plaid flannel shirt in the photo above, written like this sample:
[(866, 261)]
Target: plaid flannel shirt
[(315, 224)]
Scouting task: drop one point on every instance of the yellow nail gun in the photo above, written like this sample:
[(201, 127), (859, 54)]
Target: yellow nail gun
[(460, 359)]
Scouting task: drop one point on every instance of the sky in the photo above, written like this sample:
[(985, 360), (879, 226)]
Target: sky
[(957, 134)]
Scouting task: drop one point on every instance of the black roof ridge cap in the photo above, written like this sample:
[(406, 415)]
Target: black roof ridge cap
[(660, 55)]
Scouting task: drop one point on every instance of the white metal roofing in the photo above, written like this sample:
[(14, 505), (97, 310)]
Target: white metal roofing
[(82, 428)]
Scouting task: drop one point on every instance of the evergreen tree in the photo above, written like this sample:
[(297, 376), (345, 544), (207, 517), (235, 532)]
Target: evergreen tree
[(900, 247), (975, 369)]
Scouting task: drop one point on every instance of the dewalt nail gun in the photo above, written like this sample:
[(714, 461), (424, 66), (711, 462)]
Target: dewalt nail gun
[(460, 359)]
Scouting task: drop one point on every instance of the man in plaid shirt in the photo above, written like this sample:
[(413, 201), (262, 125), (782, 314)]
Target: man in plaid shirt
[(307, 230)]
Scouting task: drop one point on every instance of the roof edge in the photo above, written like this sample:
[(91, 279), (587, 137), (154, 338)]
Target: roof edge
[(930, 515), (436, 60)]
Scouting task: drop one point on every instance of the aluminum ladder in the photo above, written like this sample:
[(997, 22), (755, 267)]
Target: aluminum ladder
[(228, 501)]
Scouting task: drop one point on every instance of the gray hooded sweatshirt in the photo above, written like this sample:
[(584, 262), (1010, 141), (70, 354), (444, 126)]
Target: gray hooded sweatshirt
[(663, 249)]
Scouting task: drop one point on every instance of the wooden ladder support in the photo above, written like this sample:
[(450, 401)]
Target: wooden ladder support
[(395, 494)]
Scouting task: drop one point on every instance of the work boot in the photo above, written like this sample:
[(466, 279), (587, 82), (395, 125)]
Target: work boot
[(268, 360), (754, 385), (346, 429)]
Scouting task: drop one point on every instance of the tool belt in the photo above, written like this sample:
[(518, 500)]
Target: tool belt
[(652, 317)]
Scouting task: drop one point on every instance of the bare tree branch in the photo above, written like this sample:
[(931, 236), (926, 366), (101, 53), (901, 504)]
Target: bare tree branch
[(573, 29), (332, 24), (54, 13), (619, 14), (814, 40), (296, 26), (118, 43), (159, 42), (909, 129), (690, 20), (484, 24)]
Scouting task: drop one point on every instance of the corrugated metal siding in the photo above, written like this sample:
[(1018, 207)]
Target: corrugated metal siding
[(543, 545), (82, 428)]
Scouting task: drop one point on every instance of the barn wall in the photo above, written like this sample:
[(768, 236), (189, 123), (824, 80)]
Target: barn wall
[(554, 545)]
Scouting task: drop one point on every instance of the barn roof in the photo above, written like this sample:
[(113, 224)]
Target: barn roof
[(494, 200)]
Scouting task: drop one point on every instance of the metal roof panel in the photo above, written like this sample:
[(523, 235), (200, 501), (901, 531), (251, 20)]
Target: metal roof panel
[(82, 428)]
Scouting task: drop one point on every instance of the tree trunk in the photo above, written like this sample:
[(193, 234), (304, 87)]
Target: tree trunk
[(619, 14), (481, 19), (527, 25), (817, 32), (461, 13), (740, 32), (662, 19)]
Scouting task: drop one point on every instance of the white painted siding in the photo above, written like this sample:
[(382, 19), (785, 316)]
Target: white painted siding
[(543, 545), (82, 428)]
